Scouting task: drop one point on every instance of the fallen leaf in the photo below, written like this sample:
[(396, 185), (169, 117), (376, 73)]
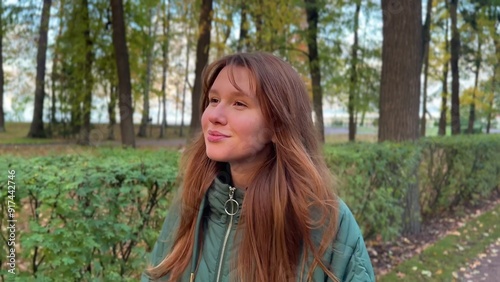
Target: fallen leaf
[(426, 273), (439, 272), (475, 264), (400, 275)]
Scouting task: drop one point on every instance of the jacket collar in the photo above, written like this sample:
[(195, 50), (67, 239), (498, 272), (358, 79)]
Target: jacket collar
[(215, 200)]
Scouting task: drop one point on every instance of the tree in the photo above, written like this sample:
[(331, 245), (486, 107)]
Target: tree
[(36, 128), (202, 51), (88, 79), (243, 37), (149, 52), (400, 81), (444, 81), (123, 69), (439, 59), (494, 23), (455, 76), (354, 78), (314, 64), (426, 44), (55, 66), (400, 87), (166, 18), (2, 115)]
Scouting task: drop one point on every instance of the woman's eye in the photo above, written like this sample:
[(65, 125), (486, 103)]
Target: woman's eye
[(213, 100), (239, 104)]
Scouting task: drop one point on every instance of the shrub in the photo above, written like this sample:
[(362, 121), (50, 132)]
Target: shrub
[(458, 170), (89, 217), (94, 217), (373, 180)]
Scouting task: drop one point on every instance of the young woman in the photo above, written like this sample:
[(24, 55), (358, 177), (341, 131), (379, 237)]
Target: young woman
[(257, 201)]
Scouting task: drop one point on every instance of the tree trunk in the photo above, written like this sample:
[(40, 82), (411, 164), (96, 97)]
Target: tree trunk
[(496, 71), (455, 54), (314, 64), (242, 40), (490, 103), (36, 129), (165, 45), (202, 51), (400, 89), (444, 101), (186, 82), (147, 81), (88, 83), (426, 43), (472, 107), (123, 69), (53, 88), (257, 16), (55, 66), (353, 85), (111, 111), (444, 94), (400, 81), (496, 68), (2, 114)]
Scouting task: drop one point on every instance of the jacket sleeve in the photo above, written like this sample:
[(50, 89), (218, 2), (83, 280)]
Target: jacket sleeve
[(350, 259), (165, 240)]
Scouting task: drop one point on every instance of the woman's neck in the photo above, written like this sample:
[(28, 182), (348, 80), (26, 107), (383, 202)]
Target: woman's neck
[(242, 173)]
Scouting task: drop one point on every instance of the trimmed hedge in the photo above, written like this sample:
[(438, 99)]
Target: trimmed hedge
[(372, 180), (87, 217), (94, 217), (452, 172)]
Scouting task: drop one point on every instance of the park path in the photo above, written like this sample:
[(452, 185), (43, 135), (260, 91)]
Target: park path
[(486, 267)]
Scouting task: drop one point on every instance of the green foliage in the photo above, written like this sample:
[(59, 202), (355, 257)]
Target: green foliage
[(372, 180), (452, 172), (94, 217), (89, 217), (458, 170)]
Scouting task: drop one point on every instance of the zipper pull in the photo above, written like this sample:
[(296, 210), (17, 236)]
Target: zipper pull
[(192, 277), (232, 203)]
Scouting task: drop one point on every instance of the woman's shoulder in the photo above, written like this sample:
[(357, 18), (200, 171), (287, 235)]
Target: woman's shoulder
[(348, 231), (351, 261)]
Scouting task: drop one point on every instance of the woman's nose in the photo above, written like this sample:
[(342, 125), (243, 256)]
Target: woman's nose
[(217, 115)]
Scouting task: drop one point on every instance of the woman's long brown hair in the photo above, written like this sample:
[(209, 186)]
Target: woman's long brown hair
[(290, 196)]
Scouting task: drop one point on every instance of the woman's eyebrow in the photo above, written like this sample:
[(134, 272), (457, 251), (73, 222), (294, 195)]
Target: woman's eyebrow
[(235, 93)]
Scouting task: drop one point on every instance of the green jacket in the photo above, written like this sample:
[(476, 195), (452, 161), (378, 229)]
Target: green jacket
[(348, 256)]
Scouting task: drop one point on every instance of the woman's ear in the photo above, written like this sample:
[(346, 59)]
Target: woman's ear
[(273, 139)]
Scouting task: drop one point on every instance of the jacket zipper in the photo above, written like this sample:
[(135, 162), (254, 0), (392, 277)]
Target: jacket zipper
[(231, 213)]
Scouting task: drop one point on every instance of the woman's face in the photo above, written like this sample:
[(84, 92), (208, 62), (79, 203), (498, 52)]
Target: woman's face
[(233, 125)]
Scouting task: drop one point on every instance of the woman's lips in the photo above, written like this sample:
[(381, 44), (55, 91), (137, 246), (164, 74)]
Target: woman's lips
[(215, 136)]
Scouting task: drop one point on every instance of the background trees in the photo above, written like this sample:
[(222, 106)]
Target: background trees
[(335, 45), (36, 129)]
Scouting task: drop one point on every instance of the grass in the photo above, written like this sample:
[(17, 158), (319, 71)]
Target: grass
[(16, 133), (343, 138), (440, 261), (20, 145)]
